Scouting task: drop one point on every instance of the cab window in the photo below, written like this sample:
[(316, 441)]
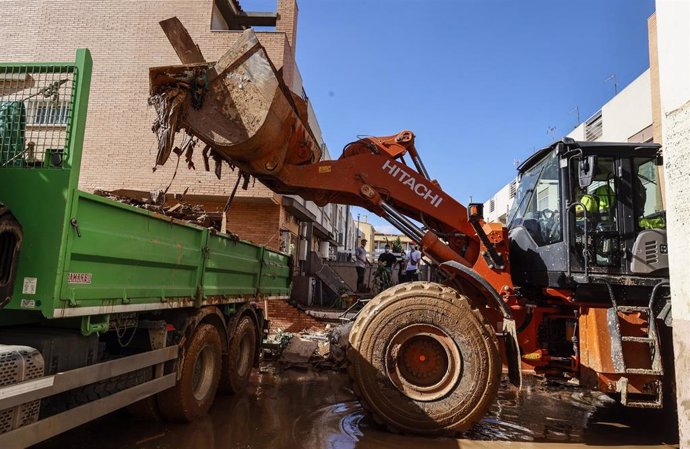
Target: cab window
[(648, 207), (537, 203), (597, 202)]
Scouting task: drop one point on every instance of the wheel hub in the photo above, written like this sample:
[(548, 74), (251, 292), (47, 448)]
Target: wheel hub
[(245, 355), (202, 377), (423, 362)]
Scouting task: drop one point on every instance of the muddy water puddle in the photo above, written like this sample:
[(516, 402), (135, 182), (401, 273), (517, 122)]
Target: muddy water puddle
[(312, 410)]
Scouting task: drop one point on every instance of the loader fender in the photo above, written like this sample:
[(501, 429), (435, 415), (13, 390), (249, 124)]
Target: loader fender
[(468, 276)]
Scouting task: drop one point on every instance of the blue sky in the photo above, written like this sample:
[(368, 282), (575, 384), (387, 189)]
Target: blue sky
[(480, 82)]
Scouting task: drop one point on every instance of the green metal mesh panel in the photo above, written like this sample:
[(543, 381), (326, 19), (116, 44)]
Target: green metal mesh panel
[(36, 105)]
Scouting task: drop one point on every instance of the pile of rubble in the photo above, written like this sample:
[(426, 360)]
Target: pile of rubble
[(322, 349)]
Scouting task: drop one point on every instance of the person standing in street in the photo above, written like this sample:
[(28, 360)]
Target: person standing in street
[(361, 263), (401, 267), (412, 268), (387, 259)]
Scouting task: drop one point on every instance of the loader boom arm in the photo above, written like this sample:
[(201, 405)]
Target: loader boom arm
[(245, 114), (386, 186)]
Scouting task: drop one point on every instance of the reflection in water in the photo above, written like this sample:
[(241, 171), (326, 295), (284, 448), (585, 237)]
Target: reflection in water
[(308, 410)]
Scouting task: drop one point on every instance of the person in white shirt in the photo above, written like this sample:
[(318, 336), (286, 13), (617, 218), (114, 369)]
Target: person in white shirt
[(361, 263), (412, 268)]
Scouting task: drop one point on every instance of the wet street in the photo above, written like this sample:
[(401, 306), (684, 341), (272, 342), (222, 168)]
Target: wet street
[(296, 409)]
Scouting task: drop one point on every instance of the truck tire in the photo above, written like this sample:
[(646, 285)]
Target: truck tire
[(239, 360), (196, 388), (423, 360)]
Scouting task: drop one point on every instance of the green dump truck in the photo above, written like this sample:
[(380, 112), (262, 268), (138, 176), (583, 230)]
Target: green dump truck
[(104, 305)]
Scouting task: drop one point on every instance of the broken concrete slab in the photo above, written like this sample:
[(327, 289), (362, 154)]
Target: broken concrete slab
[(299, 352)]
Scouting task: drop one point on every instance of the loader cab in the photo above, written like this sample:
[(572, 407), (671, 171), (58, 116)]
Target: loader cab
[(586, 212)]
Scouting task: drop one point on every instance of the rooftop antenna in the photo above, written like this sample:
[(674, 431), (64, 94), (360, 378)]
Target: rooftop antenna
[(615, 83), (577, 112)]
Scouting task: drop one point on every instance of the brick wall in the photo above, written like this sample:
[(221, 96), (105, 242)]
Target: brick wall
[(287, 22), (125, 40), (287, 318), (257, 221)]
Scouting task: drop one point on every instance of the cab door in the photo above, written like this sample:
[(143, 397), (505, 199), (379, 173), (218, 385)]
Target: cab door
[(594, 215), (537, 249)]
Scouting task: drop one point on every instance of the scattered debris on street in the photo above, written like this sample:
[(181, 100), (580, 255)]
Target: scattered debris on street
[(319, 349)]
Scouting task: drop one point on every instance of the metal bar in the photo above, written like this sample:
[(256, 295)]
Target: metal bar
[(32, 67), (495, 257), (652, 331), (47, 428), (418, 162), (32, 390), (420, 166), (181, 41), (73, 147), (263, 19), (585, 254), (401, 227), (418, 234), (617, 357)]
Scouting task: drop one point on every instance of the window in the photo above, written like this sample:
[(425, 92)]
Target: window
[(48, 112), (512, 189), (648, 202), (544, 197), (594, 127), (492, 205), (537, 202), (600, 197)]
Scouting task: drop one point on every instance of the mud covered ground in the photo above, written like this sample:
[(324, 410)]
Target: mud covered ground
[(302, 409)]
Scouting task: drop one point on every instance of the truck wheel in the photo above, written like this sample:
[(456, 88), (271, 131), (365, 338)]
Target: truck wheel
[(195, 391), (422, 360), (238, 362)]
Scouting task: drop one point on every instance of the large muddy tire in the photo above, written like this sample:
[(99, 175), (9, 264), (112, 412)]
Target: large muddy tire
[(195, 391), (422, 360), (239, 360)]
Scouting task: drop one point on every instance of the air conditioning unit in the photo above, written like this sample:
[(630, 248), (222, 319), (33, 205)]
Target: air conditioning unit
[(324, 250), (302, 249)]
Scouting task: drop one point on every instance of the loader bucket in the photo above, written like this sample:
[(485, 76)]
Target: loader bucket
[(239, 106)]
